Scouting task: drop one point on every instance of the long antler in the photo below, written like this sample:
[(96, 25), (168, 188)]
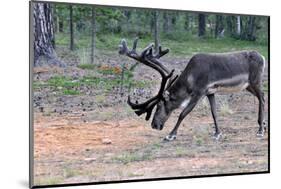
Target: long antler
[(148, 58)]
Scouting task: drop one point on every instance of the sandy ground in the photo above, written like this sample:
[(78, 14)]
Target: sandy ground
[(68, 150)]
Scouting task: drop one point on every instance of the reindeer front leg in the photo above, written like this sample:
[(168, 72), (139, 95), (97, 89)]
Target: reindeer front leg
[(212, 102), (193, 101)]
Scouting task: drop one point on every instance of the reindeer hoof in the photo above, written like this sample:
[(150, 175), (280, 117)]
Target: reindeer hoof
[(169, 138), (217, 136), (260, 133)]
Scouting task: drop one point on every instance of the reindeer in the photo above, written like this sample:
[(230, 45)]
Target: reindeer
[(204, 75)]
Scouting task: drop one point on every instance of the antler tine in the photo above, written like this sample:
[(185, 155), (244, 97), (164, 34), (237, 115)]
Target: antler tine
[(148, 58), (148, 48), (162, 53), (144, 107), (135, 44), (123, 49)]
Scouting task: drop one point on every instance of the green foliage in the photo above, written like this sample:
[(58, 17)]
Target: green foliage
[(180, 46), (130, 21)]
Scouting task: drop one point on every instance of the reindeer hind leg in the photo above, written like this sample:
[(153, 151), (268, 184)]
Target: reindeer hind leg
[(257, 91)]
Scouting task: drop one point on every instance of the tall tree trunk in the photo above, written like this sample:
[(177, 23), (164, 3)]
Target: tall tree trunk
[(93, 35), (127, 14), (219, 26), (60, 22), (43, 34), (71, 27), (248, 28), (230, 26), (55, 17), (53, 9), (201, 25), (238, 32), (156, 37), (165, 22), (174, 21), (187, 22), (251, 29)]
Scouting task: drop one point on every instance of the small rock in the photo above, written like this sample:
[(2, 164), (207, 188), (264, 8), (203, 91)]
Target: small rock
[(90, 159), (106, 141), (247, 117)]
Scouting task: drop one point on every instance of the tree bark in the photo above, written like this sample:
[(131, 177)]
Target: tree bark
[(71, 28), (43, 34), (202, 25), (93, 35)]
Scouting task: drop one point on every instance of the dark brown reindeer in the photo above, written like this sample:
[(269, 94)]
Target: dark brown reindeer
[(204, 75)]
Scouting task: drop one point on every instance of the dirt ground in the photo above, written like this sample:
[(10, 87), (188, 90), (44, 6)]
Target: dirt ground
[(106, 144)]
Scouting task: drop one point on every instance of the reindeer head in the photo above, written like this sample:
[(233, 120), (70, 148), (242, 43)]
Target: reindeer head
[(150, 59)]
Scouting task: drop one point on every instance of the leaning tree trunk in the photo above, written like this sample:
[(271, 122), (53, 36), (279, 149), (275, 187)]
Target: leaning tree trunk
[(202, 25), (43, 34)]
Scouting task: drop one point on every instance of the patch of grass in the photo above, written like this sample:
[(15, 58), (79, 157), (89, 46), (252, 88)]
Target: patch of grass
[(84, 56), (87, 66), (69, 172), (265, 86), (135, 175), (225, 109), (198, 140), (100, 98), (62, 81), (157, 146), (129, 157), (70, 92), (68, 86), (180, 151), (48, 181)]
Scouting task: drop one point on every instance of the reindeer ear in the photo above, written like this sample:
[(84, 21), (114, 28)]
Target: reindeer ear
[(166, 95)]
